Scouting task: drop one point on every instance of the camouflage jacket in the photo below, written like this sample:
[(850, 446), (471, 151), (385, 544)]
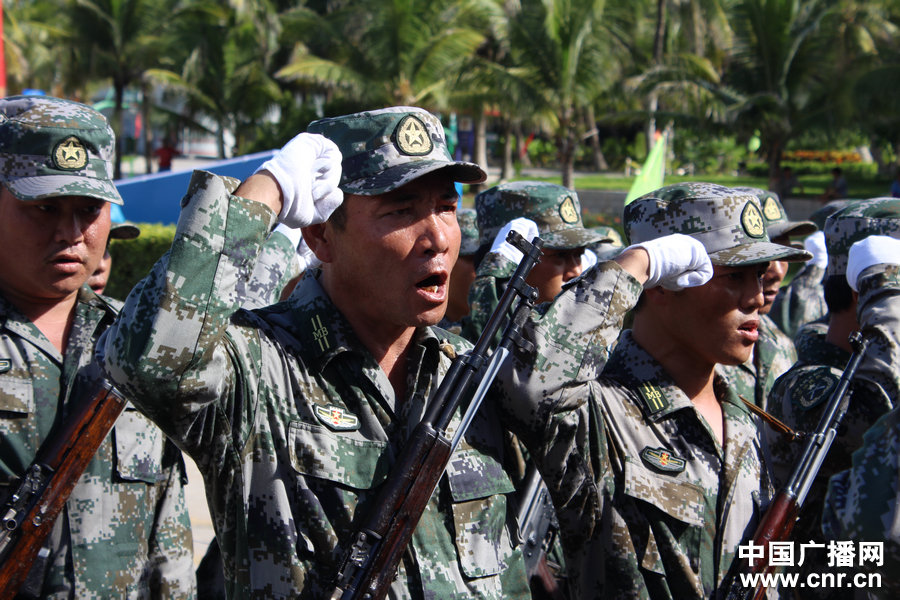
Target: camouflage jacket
[(490, 280), (125, 530), (293, 423), (863, 503), (773, 354), (800, 301), (275, 266), (650, 504)]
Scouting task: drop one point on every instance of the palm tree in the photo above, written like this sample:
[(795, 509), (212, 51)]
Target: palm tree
[(225, 73), (558, 50), (391, 52), (117, 40)]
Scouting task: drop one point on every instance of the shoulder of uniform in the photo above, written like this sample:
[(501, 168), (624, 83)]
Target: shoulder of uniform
[(809, 387)]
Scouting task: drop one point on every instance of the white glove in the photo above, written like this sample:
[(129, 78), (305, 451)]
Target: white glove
[(304, 254), (815, 245), (874, 250), (588, 259), (527, 228), (677, 261), (308, 170)]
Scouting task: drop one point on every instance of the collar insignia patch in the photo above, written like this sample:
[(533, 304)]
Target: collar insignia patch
[(5, 365), (663, 460), (412, 137), (653, 397), (320, 332), (752, 221), (337, 418), (70, 154)]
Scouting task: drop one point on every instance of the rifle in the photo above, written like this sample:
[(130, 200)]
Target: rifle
[(538, 526), (778, 521), (371, 558), (29, 513)]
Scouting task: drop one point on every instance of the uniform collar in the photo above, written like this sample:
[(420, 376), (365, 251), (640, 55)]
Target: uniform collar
[(658, 395), (321, 329)]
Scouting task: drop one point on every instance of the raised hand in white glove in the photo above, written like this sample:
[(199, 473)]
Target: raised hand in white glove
[(815, 245), (527, 228), (677, 261), (308, 171), (874, 250), (304, 254)]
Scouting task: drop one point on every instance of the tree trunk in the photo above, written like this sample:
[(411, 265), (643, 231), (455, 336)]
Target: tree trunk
[(774, 147), (145, 130), (119, 89), (480, 133), (658, 44), (594, 139), (509, 144)]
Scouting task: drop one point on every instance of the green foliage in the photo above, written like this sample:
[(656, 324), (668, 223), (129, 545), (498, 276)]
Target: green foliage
[(708, 153), (860, 171), (133, 259)]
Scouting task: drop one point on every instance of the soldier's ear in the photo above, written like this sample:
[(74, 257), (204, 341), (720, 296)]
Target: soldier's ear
[(318, 238)]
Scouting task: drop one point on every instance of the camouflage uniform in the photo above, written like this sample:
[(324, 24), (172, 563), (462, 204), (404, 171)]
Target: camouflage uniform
[(862, 502), (275, 266), (650, 504), (798, 397), (124, 531), (554, 209), (289, 417)]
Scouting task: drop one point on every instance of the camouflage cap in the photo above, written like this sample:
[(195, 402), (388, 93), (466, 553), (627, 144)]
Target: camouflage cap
[(53, 147), (119, 227), (820, 214), (468, 226), (554, 209), (857, 221), (387, 148), (610, 246), (729, 223), (777, 222)]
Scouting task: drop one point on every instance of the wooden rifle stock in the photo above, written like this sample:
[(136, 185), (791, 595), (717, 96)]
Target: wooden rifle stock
[(31, 509), (779, 519), (373, 553)]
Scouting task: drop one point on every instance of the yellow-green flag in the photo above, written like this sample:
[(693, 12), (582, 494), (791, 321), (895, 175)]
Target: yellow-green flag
[(652, 173)]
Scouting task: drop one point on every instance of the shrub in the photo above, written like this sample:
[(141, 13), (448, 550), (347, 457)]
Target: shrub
[(132, 259)]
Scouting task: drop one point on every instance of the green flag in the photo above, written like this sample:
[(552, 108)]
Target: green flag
[(652, 173)]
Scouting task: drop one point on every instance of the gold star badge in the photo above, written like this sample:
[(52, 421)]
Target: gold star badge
[(412, 137), (771, 209), (567, 211), (752, 221), (70, 154)]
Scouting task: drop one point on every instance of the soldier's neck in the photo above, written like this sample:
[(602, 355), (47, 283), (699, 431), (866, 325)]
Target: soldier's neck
[(54, 320), (840, 326)]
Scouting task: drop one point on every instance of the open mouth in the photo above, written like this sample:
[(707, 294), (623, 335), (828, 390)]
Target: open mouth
[(431, 284)]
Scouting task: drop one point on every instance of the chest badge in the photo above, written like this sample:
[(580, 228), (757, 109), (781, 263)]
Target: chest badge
[(5, 365), (663, 460), (337, 418)]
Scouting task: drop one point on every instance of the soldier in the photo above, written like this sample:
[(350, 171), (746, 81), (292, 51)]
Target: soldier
[(557, 213), (294, 413), (119, 229), (774, 352), (463, 273), (862, 503), (657, 470), (124, 531), (799, 395)]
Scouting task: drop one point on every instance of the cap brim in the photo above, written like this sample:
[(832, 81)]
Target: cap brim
[(29, 189), (792, 229), (755, 253), (124, 231), (398, 176), (567, 239)]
